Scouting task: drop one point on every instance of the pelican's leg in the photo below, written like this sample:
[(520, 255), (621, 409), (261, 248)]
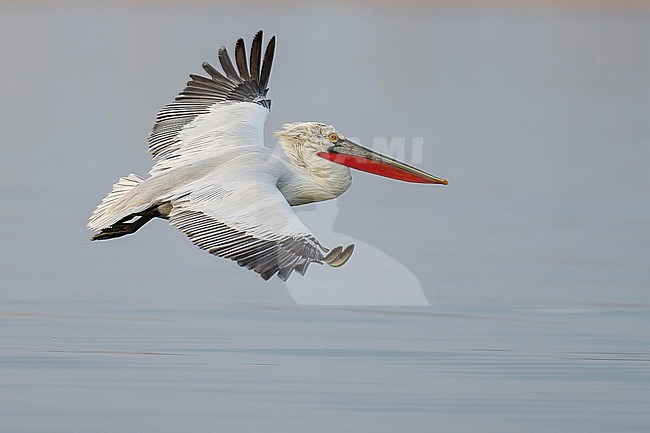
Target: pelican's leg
[(121, 228)]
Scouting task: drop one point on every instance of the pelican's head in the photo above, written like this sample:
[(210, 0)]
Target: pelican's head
[(303, 141), (309, 143)]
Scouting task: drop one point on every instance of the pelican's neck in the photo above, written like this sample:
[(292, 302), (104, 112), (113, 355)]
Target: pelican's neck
[(311, 178)]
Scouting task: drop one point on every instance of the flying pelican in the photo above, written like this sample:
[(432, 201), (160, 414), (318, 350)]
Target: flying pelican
[(215, 181)]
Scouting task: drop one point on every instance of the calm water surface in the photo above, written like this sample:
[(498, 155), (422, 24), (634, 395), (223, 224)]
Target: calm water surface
[(534, 258)]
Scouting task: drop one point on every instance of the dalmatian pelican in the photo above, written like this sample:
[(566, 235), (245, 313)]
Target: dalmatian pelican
[(214, 179)]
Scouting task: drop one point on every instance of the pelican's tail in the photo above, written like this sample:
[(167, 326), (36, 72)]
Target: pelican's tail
[(109, 212)]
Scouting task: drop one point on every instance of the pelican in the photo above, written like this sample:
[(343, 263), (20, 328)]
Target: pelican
[(214, 179)]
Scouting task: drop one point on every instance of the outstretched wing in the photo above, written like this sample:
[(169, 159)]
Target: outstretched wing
[(250, 222), (226, 109)]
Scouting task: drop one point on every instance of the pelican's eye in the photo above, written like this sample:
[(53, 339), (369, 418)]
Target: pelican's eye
[(334, 138)]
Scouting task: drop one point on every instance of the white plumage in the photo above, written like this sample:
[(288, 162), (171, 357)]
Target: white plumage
[(214, 180)]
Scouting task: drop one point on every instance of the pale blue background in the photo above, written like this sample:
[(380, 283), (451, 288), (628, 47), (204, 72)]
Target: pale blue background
[(534, 258)]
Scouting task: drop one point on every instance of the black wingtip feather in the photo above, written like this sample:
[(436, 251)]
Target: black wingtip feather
[(301, 267), (268, 274), (207, 67), (256, 56), (227, 66), (240, 58), (268, 62)]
